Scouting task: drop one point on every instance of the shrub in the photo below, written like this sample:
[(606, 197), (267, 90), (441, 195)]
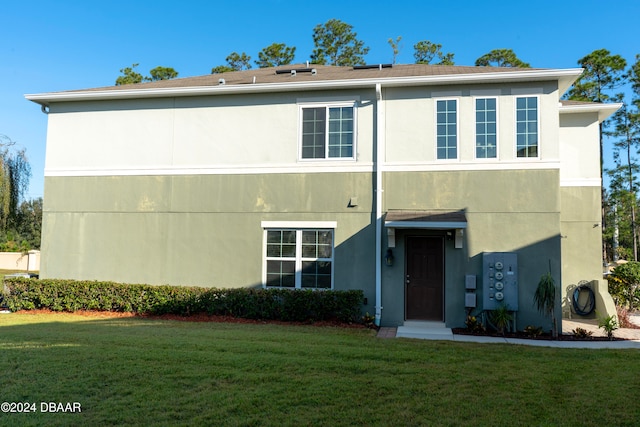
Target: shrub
[(544, 298), (623, 284), (266, 304), (581, 333), (474, 325), (623, 317), (533, 331), (608, 324), (501, 318)]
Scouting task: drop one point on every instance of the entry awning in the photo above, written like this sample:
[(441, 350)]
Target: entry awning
[(432, 219)]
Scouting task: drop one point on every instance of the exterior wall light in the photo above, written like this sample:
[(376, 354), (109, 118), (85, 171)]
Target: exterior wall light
[(389, 258)]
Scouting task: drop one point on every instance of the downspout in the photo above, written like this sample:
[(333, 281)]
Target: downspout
[(379, 155)]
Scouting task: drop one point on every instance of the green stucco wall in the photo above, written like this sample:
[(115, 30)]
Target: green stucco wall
[(507, 211), (199, 230), (582, 246), (206, 230)]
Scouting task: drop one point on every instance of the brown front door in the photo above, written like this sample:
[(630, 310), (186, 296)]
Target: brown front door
[(425, 278)]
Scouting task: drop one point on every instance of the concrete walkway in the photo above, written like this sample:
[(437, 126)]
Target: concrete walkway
[(432, 332)]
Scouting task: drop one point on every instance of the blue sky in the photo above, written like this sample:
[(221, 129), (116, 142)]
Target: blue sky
[(60, 45)]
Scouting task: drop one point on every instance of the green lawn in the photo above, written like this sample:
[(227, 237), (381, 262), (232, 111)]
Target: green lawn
[(134, 371)]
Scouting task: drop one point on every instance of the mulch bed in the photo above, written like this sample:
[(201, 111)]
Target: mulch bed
[(544, 337)]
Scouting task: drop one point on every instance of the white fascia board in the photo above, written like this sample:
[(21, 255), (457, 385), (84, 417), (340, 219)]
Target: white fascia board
[(603, 110), (299, 224), (565, 77)]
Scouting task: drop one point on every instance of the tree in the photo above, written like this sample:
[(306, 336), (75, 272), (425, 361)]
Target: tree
[(161, 73), (235, 62), (624, 281), (426, 51), (129, 76), (624, 179), (603, 72), (395, 45), (221, 69), (275, 54), (15, 173), (544, 299), (24, 233), (337, 44), (501, 58), (634, 79), (238, 61)]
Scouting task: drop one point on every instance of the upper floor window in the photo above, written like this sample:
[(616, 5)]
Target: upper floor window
[(527, 126), (486, 128), (447, 129), (328, 132), (299, 258)]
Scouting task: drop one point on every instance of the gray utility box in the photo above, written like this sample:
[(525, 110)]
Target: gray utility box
[(499, 280)]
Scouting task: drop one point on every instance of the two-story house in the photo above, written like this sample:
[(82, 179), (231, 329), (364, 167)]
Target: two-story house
[(438, 190)]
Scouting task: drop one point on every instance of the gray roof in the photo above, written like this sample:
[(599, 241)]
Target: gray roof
[(315, 77), (426, 216), (283, 74)]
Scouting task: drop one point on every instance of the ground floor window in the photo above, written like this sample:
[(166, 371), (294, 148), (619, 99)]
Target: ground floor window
[(299, 258)]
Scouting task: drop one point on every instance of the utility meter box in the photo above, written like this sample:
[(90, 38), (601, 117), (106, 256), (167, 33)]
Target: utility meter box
[(499, 280)]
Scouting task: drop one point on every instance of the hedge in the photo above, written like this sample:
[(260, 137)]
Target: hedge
[(265, 304)]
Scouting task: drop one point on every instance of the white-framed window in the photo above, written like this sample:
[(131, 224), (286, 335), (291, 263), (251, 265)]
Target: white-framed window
[(328, 131), (527, 126), (486, 128), (446, 129), (300, 258)]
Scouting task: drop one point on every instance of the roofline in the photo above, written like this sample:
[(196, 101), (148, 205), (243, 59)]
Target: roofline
[(603, 110), (565, 78)]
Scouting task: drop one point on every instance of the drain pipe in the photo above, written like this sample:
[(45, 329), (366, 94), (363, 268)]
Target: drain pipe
[(379, 154)]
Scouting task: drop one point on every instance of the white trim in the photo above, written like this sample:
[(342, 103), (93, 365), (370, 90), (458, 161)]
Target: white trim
[(515, 128), (327, 106), (565, 78), (299, 224), (470, 166), (299, 258), (323, 166), (475, 131), (310, 168), (603, 110), (435, 121), (581, 182), (380, 134)]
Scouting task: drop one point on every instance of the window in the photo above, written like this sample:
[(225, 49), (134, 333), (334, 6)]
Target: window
[(527, 127), (447, 129), (299, 258), (328, 132), (486, 129)]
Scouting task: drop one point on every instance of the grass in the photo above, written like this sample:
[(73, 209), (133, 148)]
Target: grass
[(134, 371)]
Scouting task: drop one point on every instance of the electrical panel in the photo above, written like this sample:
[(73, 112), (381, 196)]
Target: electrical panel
[(470, 282), (499, 280), (470, 300)]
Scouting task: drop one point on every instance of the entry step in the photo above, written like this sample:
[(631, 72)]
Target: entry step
[(424, 330)]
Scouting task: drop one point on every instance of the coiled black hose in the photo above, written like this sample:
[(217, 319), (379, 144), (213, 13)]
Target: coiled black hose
[(589, 305)]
